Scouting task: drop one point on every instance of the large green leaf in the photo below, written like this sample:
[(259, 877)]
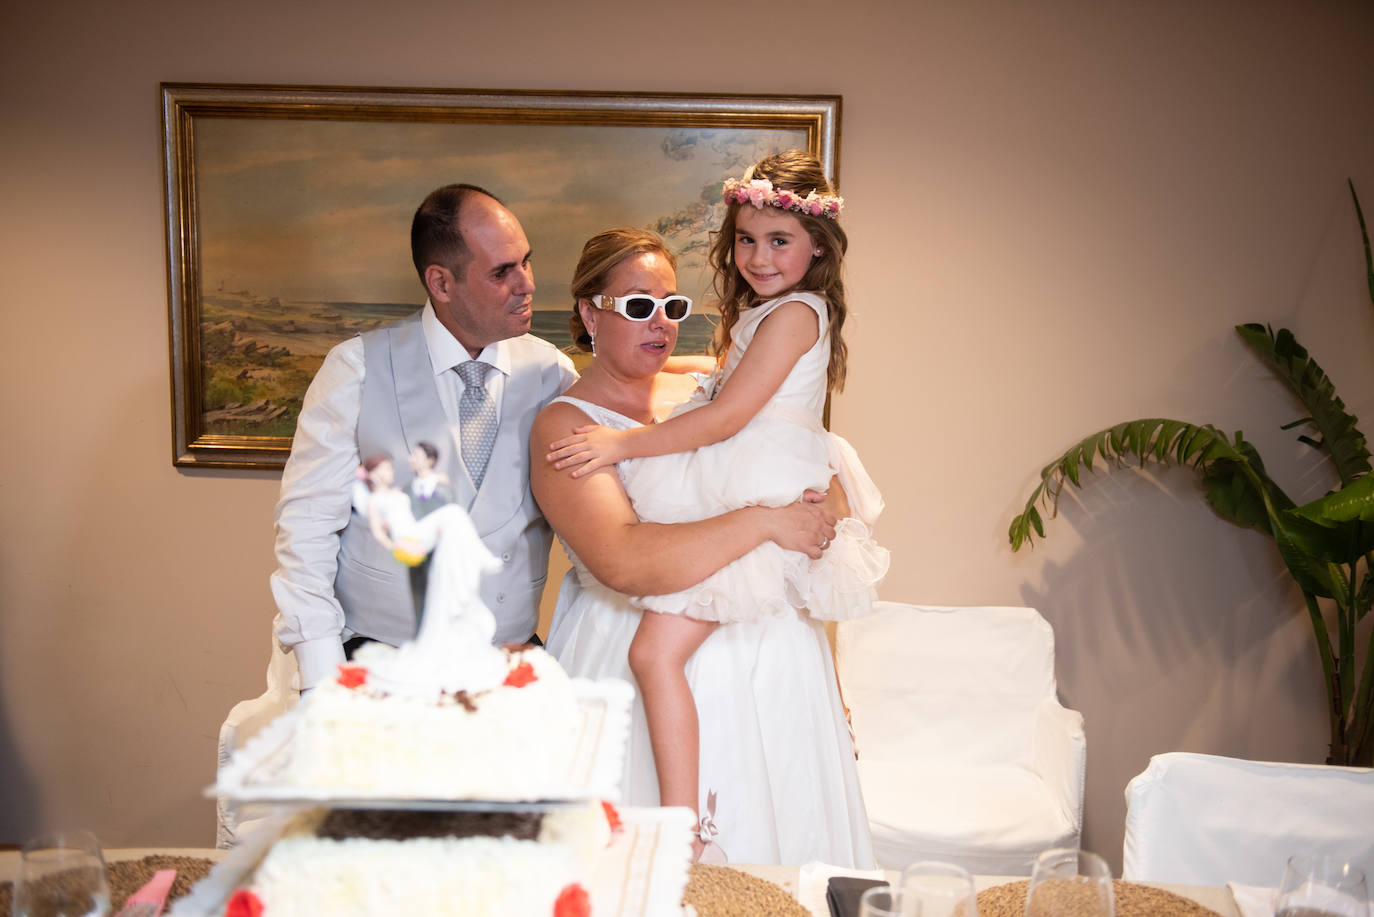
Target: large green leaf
[(1352, 503), (1340, 438), (1339, 527)]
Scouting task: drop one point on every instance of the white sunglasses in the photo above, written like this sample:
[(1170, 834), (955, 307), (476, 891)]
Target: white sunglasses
[(640, 307)]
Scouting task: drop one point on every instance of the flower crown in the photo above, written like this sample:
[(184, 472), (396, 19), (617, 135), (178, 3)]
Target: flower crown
[(759, 191)]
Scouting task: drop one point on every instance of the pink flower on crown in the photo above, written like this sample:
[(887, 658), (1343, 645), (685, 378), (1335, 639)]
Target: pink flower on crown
[(786, 199), (760, 189), (816, 207)]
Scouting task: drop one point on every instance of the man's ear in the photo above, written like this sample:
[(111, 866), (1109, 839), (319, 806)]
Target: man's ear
[(437, 283)]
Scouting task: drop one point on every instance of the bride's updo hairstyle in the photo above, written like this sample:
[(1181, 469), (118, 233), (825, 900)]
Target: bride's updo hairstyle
[(801, 173), (601, 255), (370, 465)]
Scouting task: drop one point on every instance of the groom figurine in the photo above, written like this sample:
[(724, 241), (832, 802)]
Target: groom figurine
[(429, 490), (464, 374)]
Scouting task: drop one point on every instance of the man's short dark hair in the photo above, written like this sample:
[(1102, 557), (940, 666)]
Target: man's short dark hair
[(435, 236)]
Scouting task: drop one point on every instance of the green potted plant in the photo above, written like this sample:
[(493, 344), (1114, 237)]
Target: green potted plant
[(1327, 545)]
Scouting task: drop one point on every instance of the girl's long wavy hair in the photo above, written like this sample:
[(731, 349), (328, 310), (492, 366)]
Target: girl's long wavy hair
[(800, 172)]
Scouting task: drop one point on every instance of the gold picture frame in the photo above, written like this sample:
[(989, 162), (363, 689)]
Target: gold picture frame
[(288, 213)]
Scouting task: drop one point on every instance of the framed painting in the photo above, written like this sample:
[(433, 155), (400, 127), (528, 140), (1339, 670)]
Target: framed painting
[(289, 209)]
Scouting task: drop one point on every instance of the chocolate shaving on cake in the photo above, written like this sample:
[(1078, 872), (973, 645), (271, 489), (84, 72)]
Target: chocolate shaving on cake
[(400, 824)]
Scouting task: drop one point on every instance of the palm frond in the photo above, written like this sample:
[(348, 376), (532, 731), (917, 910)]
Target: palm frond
[(1156, 439), (1339, 437)]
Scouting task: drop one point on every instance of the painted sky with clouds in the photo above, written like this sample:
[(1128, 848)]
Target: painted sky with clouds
[(321, 210)]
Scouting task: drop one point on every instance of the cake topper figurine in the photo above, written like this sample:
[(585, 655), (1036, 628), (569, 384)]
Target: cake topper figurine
[(452, 647)]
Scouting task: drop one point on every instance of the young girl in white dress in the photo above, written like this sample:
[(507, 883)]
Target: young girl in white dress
[(752, 435)]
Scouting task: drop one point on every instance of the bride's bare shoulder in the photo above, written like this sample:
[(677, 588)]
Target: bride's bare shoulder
[(558, 417)]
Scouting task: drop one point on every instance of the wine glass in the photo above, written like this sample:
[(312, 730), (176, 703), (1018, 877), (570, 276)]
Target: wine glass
[(62, 874), (1070, 882), (1322, 885), (886, 901), (942, 889)]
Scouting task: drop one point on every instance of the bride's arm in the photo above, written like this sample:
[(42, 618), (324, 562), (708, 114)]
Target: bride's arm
[(375, 521), (594, 516)]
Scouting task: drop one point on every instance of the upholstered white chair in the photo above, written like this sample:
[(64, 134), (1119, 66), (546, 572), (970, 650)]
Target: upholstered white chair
[(1207, 820), (245, 719), (965, 753)]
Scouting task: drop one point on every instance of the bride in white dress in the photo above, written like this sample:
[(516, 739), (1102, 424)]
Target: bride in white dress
[(777, 781)]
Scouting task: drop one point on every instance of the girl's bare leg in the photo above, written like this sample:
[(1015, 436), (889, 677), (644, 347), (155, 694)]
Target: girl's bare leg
[(658, 655)]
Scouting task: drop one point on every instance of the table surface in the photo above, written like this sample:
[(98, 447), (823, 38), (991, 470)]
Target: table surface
[(1217, 899)]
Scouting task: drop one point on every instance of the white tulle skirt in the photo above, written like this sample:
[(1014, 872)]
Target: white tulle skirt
[(769, 463)]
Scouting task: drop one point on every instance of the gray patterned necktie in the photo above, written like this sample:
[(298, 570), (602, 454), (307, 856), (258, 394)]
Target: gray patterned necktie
[(476, 419)]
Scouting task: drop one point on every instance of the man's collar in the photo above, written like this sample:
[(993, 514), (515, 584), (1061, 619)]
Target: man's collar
[(445, 351)]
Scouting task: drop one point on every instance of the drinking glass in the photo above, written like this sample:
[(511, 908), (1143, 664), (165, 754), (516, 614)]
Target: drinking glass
[(62, 874), (1070, 883), (886, 901), (941, 889), (1322, 885)]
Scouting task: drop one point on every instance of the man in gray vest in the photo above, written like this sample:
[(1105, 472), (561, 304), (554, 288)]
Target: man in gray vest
[(463, 374)]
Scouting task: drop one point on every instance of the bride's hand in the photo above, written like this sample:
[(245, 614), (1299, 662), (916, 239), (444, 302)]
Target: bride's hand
[(805, 527), (835, 499), (591, 447)]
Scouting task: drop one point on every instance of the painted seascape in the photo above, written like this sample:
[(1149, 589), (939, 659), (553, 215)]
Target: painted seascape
[(304, 229)]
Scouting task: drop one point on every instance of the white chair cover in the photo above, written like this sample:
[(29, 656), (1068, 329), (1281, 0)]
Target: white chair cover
[(965, 753), (1207, 820), (245, 720)]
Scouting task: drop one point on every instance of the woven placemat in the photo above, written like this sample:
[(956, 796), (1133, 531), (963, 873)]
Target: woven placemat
[(1132, 900), (715, 891), (128, 876), (719, 891)]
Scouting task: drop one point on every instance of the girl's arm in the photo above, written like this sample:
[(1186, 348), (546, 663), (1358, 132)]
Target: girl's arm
[(594, 516), (780, 341)]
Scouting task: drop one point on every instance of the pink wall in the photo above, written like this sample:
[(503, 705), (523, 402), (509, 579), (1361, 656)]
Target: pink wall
[(1057, 211)]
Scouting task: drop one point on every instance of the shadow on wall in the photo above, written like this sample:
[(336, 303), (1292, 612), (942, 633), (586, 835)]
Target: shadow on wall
[(18, 799), (1175, 631)]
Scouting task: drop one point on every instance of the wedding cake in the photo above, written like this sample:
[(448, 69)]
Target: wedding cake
[(447, 777)]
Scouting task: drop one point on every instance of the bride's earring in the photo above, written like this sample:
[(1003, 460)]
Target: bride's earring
[(593, 345)]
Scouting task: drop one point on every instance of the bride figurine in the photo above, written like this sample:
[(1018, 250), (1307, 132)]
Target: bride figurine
[(452, 646)]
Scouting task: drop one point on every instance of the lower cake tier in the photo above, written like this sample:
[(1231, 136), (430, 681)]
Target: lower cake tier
[(366, 863), (473, 877), (565, 862)]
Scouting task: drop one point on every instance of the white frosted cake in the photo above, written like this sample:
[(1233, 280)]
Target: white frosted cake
[(511, 741), (374, 863)]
